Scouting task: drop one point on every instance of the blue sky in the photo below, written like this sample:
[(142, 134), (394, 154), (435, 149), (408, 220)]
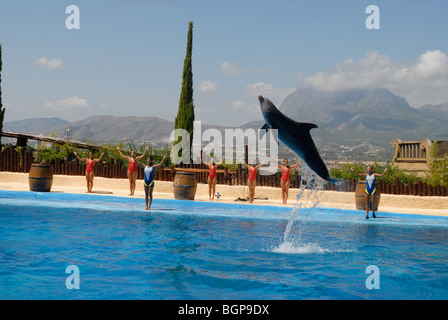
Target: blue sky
[(127, 57)]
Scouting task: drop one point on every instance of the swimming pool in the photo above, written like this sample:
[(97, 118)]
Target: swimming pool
[(203, 250)]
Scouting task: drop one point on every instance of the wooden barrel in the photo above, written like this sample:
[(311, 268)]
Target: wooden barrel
[(40, 177), (184, 185), (360, 197)]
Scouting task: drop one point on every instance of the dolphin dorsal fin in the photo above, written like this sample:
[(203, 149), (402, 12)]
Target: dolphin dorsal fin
[(266, 127), (308, 126)]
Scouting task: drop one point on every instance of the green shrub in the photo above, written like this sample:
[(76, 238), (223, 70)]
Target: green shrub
[(343, 171)]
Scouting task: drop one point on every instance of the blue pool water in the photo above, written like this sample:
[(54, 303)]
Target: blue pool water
[(203, 250)]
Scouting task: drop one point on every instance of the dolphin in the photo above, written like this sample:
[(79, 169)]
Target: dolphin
[(296, 135)]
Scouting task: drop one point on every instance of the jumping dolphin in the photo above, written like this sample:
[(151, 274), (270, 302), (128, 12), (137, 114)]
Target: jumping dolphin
[(296, 135)]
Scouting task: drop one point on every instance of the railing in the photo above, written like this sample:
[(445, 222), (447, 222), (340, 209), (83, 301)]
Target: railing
[(13, 161), (417, 151), (411, 151)]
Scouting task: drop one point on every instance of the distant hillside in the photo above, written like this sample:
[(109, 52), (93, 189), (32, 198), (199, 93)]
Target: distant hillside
[(35, 126), (100, 129), (440, 111)]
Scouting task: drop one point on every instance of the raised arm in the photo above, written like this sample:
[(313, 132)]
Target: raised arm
[(99, 159), (80, 159), (139, 157), (205, 163), (359, 175), (159, 164), (295, 165), (123, 156), (380, 175), (262, 163), (222, 160), (279, 166)]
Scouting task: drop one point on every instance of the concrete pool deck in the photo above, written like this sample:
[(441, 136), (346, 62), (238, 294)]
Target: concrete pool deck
[(263, 195)]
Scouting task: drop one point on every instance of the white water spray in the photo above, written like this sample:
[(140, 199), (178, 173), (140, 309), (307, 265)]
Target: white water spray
[(305, 197)]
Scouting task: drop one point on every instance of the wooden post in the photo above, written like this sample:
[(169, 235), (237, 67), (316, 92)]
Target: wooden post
[(419, 188), (240, 174), (8, 159), (5, 160), (11, 159), (173, 173), (226, 175), (415, 189), (425, 189), (24, 161)]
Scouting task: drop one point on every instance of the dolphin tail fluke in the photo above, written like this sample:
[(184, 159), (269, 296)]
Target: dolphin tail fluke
[(333, 181)]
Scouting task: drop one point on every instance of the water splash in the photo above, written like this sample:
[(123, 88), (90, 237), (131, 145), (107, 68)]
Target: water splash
[(302, 241), (306, 197), (292, 248)]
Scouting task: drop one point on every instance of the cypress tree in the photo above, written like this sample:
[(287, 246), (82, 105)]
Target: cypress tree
[(185, 114), (2, 110)]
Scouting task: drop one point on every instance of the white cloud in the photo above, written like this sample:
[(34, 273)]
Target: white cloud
[(208, 87), (238, 104), (49, 64), (231, 69), (104, 106), (432, 64), (68, 104), (420, 82), (268, 90)]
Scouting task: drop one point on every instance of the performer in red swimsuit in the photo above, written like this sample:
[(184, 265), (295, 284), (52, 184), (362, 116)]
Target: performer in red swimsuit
[(252, 177), (132, 164), (212, 179), (285, 182), (286, 170), (90, 164), (252, 173), (132, 169)]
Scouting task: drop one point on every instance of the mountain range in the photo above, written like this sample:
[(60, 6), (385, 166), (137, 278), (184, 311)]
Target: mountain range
[(355, 123), (375, 115)]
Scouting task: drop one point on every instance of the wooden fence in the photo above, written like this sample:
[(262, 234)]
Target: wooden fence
[(13, 161)]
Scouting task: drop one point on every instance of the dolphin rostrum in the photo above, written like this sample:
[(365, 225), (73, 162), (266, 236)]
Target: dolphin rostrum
[(296, 135)]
